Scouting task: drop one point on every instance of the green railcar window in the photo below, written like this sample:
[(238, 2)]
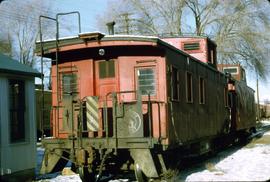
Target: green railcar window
[(191, 46), (17, 110), (106, 69), (226, 98), (232, 70), (201, 90), (189, 87), (175, 84), (146, 81)]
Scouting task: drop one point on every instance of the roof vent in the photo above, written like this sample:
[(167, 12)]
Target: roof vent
[(91, 36), (191, 46)]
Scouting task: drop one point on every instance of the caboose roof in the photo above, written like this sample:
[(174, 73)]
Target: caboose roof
[(49, 45), (71, 40)]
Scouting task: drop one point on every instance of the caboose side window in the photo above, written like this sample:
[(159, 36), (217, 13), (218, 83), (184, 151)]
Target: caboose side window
[(69, 83), (231, 70), (189, 87), (146, 81), (226, 98), (201, 90), (175, 84), (106, 69), (16, 110)]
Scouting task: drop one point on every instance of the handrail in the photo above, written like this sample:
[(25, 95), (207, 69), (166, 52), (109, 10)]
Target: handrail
[(106, 109), (41, 62), (114, 104), (150, 118), (56, 20), (68, 13), (57, 68)]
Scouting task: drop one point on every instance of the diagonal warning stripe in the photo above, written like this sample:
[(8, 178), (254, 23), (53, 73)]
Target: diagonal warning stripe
[(92, 113)]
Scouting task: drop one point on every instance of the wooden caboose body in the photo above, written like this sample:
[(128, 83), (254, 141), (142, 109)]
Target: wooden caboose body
[(240, 97), (134, 95)]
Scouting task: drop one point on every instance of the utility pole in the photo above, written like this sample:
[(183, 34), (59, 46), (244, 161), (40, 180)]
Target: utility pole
[(126, 19)]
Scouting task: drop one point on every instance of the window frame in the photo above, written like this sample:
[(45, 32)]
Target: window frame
[(191, 88), (201, 90), (191, 42), (20, 111), (226, 96), (155, 79), (62, 75), (175, 84), (231, 67), (107, 68)]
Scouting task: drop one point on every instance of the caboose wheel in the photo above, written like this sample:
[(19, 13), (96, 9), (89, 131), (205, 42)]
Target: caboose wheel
[(85, 175), (139, 174)]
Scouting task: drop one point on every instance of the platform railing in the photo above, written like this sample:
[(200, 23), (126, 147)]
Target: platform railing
[(115, 100)]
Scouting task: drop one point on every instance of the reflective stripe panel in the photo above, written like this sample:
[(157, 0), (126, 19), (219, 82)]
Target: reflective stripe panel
[(92, 113)]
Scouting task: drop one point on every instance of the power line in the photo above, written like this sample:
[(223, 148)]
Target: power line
[(17, 16), (21, 17), (14, 15), (28, 4)]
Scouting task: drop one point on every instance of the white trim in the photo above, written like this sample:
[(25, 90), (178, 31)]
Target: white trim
[(106, 36)]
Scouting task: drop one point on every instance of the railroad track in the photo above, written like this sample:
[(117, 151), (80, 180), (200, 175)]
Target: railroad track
[(260, 131)]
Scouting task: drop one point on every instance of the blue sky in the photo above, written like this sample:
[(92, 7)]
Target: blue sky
[(89, 11)]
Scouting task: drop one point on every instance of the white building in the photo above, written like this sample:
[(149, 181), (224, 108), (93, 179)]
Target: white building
[(17, 120)]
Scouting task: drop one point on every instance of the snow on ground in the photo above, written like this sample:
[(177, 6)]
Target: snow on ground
[(250, 163), (74, 178), (60, 178), (247, 164), (265, 122)]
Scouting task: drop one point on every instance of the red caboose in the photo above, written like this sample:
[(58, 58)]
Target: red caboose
[(131, 99)]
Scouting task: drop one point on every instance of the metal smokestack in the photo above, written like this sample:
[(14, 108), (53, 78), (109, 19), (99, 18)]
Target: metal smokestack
[(110, 26)]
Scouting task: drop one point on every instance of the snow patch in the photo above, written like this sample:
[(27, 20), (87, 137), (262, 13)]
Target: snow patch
[(247, 164), (265, 122), (60, 178)]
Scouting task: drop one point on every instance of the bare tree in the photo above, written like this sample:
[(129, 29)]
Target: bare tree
[(242, 34), (146, 16), (5, 47), (159, 16), (22, 27), (203, 12), (239, 27)]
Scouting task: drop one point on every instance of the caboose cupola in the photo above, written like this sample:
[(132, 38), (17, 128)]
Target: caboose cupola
[(235, 70), (200, 47)]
